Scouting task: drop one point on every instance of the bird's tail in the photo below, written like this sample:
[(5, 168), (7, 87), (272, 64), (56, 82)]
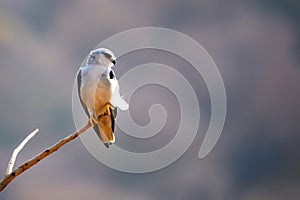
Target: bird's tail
[(106, 133)]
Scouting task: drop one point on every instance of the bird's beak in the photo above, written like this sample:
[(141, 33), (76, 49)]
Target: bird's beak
[(114, 62)]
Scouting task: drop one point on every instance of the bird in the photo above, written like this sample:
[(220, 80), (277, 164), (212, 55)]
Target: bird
[(99, 93)]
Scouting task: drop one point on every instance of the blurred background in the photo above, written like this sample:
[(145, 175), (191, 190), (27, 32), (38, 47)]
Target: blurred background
[(255, 44)]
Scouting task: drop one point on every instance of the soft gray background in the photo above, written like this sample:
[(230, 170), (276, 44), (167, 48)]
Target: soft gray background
[(256, 45)]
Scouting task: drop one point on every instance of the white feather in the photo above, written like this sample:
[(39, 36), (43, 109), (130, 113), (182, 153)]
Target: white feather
[(117, 99)]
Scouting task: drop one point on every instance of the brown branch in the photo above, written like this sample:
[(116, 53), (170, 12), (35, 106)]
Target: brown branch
[(15, 153), (10, 177)]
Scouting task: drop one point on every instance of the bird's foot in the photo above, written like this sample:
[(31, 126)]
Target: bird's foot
[(109, 107), (92, 120)]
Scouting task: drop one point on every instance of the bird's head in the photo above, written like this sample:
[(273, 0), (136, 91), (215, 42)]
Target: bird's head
[(101, 56)]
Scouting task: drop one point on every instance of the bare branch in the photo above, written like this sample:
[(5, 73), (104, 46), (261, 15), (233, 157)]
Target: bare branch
[(16, 151), (10, 177)]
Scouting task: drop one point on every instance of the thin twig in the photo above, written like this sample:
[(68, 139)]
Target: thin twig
[(16, 151), (10, 177)]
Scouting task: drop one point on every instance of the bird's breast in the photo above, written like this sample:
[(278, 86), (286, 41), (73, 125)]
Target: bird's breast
[(97, 95), (96, 89)]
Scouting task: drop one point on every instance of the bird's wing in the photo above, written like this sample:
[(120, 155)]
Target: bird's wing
[(96, 127), (113, 117), (107, 126), (79, 78), (107, 122)]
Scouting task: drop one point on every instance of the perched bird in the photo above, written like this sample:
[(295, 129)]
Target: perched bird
[(98, 91)]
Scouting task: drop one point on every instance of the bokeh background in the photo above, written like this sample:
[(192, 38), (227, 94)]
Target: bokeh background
[(255, 44)]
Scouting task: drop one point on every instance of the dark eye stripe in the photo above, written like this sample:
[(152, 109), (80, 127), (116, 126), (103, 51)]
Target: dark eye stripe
[(107, 55)]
